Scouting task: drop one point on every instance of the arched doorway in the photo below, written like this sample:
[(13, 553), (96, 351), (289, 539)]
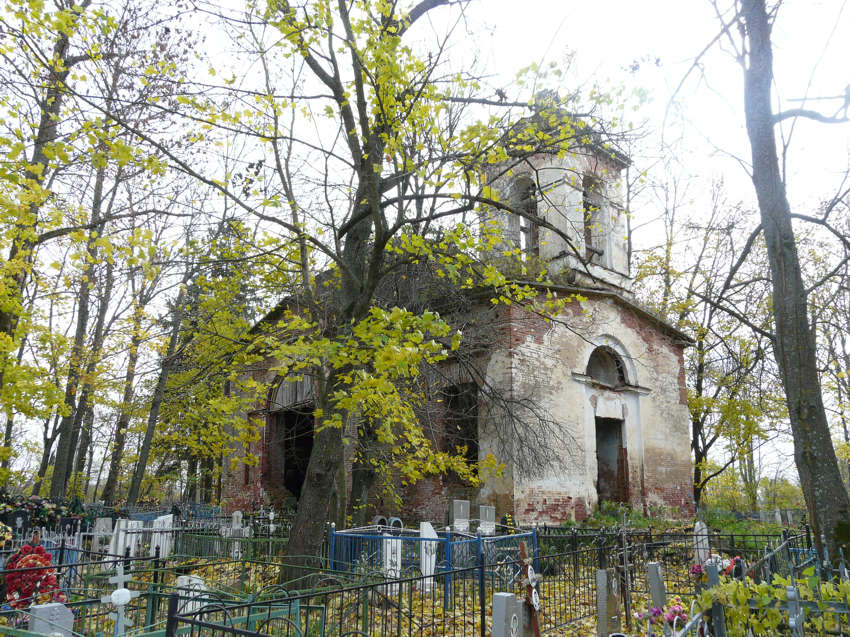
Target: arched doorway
[(608, 372), (289, 440)]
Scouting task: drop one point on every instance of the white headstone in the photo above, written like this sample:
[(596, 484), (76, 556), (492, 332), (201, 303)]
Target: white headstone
[(778, 516), (487, 515), (193, 588), (460, 516), (392, 560), (236, 519), (162, 535), (427, 554), (103, 526), (702, 550), (51, 619), (126, 533)]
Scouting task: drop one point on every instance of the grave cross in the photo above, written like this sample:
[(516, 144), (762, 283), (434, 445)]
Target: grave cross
[(529, 579), (120, 597)]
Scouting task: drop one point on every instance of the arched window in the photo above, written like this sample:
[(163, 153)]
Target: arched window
[(525, 203), (594, 227), (606, 367)]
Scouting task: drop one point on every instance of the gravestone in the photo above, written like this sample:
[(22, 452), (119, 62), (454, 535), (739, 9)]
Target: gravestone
[(702, 550), (392, 560), (236, 520), (19, 522), (162, 535), (102, 533), (777, 515), (193, 593), (126, 533), (607, 603), (68, 525), (487, 524), (655, 579), (51, 619), (379, 520), (460, 516), (103, 526), (427, 554), (510, 616)]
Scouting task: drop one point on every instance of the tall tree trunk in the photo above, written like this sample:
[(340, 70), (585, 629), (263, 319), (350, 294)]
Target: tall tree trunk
[(190, 493), (125, 413), (84, 417), (64, 450), (69, 429), (156, 402), (820, 479), (14, 283), (45, 458)]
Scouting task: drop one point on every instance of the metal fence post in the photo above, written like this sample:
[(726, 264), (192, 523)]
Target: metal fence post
[(171, 620), (481, 595), (536, 544), (156, 577), (447, 581), (331, 546)]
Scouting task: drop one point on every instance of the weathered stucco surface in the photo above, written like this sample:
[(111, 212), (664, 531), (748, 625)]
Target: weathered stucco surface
[(548, 361), (639, 422)]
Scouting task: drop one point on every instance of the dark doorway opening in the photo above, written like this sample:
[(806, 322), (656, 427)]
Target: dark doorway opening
[(612, 479), (461, 420), (290, 448)]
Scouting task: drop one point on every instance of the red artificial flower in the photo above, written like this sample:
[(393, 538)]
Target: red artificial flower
[(26, 549)]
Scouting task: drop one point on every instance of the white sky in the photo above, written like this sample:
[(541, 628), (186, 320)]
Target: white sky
[(811, 40)]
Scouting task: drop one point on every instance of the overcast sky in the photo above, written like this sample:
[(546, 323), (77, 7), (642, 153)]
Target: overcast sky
[(811, 44), (811, 41)]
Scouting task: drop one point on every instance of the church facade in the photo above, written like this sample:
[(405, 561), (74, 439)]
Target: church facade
[(580, 408)]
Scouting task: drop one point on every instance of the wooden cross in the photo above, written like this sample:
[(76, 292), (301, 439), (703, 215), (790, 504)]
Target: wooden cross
[(529, 579)]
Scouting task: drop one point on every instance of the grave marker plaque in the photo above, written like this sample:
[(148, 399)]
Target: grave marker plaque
[(607, 603), (51, 619), (460, 516), (488, 520), (127, 533), (509, 616)]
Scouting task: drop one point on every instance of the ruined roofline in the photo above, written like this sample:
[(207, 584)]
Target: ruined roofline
[(585, 135), (684, 338)]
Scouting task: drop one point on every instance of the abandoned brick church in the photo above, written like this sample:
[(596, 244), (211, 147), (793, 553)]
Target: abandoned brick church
[(582, 409)]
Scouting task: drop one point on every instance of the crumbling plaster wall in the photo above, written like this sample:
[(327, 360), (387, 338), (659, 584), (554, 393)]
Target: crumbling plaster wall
[(548, 361)]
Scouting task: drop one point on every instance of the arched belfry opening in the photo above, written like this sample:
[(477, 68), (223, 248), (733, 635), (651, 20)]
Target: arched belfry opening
[(289, 439), (524, 199), (605, 367)]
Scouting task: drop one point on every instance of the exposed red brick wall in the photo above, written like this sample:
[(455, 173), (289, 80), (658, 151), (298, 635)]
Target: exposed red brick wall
[(549, 507)]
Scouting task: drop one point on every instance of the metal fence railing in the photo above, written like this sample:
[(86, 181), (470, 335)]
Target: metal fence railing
[(352, 587)]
